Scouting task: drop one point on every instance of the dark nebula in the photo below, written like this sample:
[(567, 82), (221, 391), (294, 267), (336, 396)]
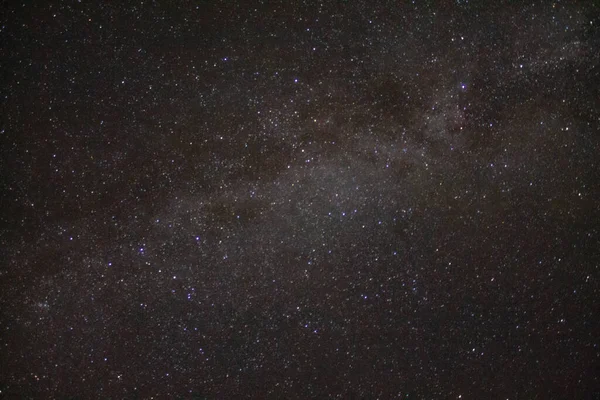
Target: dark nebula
[(294, 200)]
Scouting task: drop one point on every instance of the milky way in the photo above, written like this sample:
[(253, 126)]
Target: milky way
[(300, 200)]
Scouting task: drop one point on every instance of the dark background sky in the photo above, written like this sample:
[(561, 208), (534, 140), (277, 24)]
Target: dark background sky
[(287, 199)]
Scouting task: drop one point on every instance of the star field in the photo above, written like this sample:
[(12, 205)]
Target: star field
[(329, 199)]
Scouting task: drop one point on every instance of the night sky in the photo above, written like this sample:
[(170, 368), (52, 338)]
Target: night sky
[(292, 200)]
